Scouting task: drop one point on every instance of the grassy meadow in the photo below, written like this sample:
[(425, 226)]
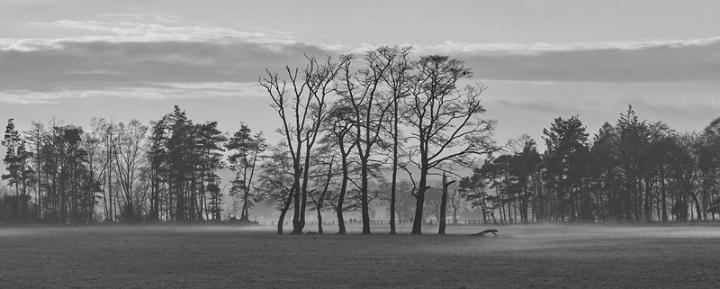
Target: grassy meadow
[(536, 256)]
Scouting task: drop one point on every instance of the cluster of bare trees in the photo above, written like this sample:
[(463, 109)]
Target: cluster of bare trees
[(633, 171), (353, 119), (167, 171)]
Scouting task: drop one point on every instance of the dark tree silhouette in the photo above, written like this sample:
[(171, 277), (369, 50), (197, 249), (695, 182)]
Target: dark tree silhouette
[(276, 182), (245, 149), (19, 172), (302, 107), (362, 89), (445, 122), (566, 142)]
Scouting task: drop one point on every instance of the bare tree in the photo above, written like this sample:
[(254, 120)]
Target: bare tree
[(339, 140), (97, 161), (302, 107), (363, 90), (276, 182), (446, 121), (396, 78), (129, 156)]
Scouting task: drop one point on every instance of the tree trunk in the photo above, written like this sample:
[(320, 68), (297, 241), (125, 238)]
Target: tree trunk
[(393, 188), (283, 211), (443, 205), (17, 201), (648, 209), (364, 200), (341, 199), (698, 210), (281, 220), (244, 214), (455, 220), (319, 217), (664, 195), (297, 227), (418, 221), (303, 197)]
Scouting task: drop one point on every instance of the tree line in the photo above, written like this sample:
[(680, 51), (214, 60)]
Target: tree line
[(633, 171), (167, 171), (350, 122)]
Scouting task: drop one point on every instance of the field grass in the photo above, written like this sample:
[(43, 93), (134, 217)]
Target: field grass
[(231, 257)]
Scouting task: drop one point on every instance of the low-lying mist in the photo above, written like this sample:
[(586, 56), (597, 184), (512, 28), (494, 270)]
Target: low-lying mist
[(531, 232)]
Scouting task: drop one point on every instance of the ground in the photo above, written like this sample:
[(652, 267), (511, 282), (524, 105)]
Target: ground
[(538, 256)]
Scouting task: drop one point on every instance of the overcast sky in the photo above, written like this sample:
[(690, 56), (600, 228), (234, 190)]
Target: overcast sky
[(128, 59)]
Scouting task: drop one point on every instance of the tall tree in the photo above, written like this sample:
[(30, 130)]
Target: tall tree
[(129, 157), (362, 89), (632, 146), (18, 170), (709, 164), (604, 151), (566, 142), (302, 107), (277, 180), (446, 122), (179, 153), (339, 140), (396, 78), (208, 152), (35, 138), (524, 166), (157, 159), (93, 140), (245, 149)]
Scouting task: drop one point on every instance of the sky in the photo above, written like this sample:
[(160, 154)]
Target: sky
[(72, 60)]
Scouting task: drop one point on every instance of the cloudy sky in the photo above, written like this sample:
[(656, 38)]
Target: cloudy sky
[(74, 60)]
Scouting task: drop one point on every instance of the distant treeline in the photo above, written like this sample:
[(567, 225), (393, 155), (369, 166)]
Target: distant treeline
[(61, 174), (383, 118), (633, 171)]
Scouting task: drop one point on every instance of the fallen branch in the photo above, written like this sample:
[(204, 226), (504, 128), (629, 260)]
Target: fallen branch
[(482, 233)]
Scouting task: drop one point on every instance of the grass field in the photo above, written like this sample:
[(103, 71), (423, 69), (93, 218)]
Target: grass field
[(230, 257)]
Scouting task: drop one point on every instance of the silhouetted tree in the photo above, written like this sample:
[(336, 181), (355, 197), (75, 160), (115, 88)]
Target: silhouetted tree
[(245, 149), (566, 142), (445, 122), (129, 157), (397, 78), (362, 89), (19, 172), (303, 108), (277, 180), (339, 141)]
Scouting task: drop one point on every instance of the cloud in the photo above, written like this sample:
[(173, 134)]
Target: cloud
[(101, 64), (153, 18), (132, 51), (129, 53), (158, 91), (669, 61), (163, 28), (541, 47)]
